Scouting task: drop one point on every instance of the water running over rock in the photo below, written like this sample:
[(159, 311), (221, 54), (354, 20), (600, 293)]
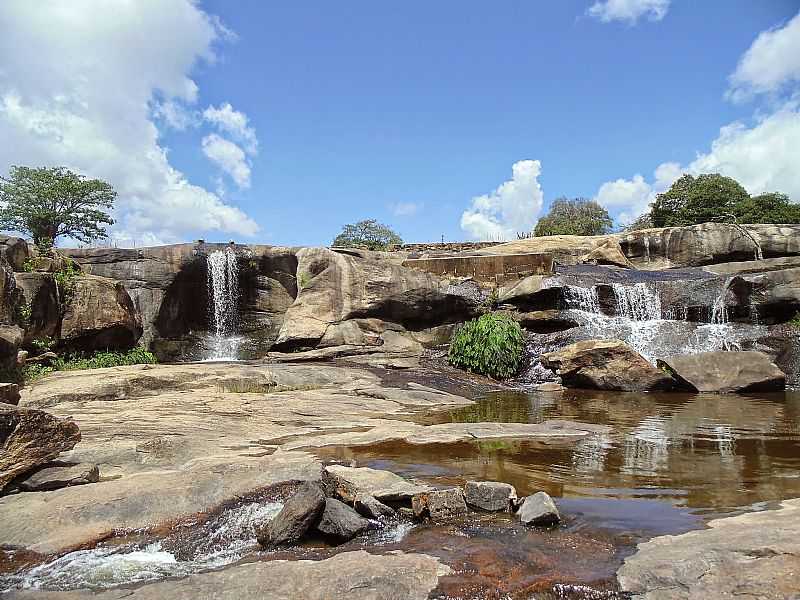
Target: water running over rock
[(223, 293)]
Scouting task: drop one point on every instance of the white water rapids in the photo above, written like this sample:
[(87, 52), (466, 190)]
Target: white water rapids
[(223, 302)]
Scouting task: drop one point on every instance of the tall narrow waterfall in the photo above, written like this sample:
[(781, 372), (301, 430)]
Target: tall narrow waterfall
[(223, 304)]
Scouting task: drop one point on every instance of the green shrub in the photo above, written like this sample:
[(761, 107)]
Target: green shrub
[(65, 280), (101, 360), (795, 321), (489, 345), (43, 344)]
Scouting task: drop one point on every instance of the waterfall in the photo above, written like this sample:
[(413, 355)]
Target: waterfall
[(637, 302), (223, 295), (581, 298), (719, 311)]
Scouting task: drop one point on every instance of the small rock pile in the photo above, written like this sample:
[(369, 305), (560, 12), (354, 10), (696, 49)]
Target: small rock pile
[(349, 501)]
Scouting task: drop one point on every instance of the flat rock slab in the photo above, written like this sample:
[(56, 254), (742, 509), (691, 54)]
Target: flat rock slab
[(352, 575), (726, 372), (756, 555), (59, 476), (384, 486)]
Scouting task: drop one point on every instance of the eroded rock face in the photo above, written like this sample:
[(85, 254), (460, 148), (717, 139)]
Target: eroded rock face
[(605, 365), (340, 522), (100, 315), (539, 510), (726, 372), (30, 438), (302, 511), (40, 295), (753, 555), (492, 496)]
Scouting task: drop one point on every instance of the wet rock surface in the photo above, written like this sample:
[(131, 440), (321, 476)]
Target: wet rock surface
[(490, 495), (755, 555), (53, 477), (301, 511), (539, 509), (368, 506), (439, 505), (726, 372), (339, 522)]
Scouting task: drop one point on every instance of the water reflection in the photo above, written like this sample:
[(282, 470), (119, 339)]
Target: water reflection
[(712, 453)]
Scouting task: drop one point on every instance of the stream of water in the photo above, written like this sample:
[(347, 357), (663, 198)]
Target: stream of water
[(223, 300)]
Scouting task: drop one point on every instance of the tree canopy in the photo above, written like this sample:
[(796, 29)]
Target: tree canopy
[(49, 202), (368, 234), (574, 216)]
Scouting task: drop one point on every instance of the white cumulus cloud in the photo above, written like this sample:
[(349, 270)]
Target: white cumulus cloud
[(229, 157), (235, 123), (770, 65), (405, 209), (628, 11), (513, 207), (80, 82)]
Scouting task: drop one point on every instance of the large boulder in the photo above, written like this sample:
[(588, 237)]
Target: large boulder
[(40, 296), (340, 522), (725, 372), (608, 253), (605, 365), (539, 509), (15, 251), (30, 438), (492, 496), (774, 296), (301, 511), (439, 505), (11, 334), (99, 315)]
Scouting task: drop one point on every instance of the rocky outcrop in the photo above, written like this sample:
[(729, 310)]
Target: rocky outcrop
[(339, 522), (14, 251), (99, 314), (605, 365), (607, 253), (40, 295), (53, 477), (774, 295), (492, 496), (301, 511), (539, 510), (725, 372), (30, 438), (754, 555)]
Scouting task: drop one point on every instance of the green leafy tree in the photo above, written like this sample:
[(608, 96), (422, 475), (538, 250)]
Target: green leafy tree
[(574, 216), (491, 345), (644, 221), (47, 203), (369, 234), (692, 200), (767, 208)]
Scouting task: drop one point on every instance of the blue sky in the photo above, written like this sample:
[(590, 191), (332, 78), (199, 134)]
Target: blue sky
[(288, 120)]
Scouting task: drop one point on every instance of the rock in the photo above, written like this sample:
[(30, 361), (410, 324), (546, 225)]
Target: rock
[(99, 315), (384, 486), (355, 575), (774, 296), (754, 555), (608, 253), (605, 365), (371, 508), (340, 522), (15, 251), (9, 393), (40, 295), (726, 372), (539, 509), (439, 505), (301, 511), (59, 476), (550, 387), (22, 357), (491, 496), (546, 321), (30, 438)]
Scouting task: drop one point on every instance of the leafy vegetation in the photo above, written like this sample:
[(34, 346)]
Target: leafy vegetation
[(795, 321), (65, 280), (574, 216), (490, 345), (367, 234), (713, 197), (47, 203), (77, 362)]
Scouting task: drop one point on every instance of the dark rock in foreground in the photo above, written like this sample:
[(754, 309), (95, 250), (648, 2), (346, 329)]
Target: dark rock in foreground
[(539, 509), (30, 438), (726, 372), (301, 512), (9, 393), (606, 365), (341, 522), (491, 496)]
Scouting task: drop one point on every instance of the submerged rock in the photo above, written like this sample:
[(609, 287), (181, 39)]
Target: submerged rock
[(726, 372), (539, 509), (59, 476), (606, 365), (340, 522), (491, 496), (439, 505), (301, 512), (368, 506), (30, 438)]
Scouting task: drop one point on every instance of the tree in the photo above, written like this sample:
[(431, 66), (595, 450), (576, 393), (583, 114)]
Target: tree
[(692, 200), (369, 234), (575, 216), (767, 208), (644, 221), (47, 203)]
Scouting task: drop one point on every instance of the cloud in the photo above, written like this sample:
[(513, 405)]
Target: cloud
[(405, 209), (762, 157), (233, 122), (86, 92), (229, 157), (628, 11), (770, 65), (513, 207), (175, 114)]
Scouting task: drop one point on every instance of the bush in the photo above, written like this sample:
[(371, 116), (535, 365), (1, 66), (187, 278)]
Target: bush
[(576, 216), (78, 362), (489, 345), (367, 234)]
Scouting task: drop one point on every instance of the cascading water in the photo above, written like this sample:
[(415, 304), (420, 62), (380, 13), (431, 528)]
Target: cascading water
[(223, 294), (637, 302)]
